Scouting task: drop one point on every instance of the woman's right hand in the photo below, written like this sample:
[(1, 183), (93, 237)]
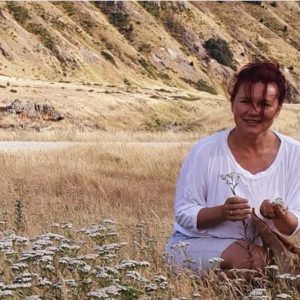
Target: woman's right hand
[(236, 209)]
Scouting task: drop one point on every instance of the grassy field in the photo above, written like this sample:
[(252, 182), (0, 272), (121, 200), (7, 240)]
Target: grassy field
[(65, 203)]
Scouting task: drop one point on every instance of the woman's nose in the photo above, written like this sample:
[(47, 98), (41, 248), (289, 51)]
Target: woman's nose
[(255, 109)]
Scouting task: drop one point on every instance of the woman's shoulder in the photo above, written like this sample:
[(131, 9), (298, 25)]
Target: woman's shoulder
[(288, 141), (210, 143)]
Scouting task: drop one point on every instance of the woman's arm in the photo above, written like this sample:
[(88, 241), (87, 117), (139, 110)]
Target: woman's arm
[(284, 221), (234, 209)]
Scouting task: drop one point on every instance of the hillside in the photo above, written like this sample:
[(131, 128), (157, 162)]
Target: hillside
[(141, 65)]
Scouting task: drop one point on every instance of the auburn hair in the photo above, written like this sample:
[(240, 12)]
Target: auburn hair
[(264, 72)]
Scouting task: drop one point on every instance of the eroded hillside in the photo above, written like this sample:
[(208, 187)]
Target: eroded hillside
[(186, 50)]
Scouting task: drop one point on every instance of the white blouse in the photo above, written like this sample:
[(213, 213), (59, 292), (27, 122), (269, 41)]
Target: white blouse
[(200, 184)]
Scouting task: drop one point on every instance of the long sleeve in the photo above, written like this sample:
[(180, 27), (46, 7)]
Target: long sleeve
[(191, 192), (293, 191)]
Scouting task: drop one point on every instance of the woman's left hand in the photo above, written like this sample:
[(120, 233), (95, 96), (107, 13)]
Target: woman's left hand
[(271, 210)]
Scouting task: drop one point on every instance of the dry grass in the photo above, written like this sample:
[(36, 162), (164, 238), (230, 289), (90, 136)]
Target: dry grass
[(127, 182), (132, 183)]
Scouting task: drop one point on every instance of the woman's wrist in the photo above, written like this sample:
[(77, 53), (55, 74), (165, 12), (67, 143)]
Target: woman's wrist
[(286, 223)]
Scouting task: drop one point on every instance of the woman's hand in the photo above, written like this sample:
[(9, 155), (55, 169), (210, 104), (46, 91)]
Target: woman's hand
[(271, 210), (236, 209)]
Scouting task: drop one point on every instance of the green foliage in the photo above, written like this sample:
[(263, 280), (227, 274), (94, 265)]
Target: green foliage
[(201, 85), (151, 8), (20, 13), (86, 22), (254, 2), (219, 50), (44, 35), (108, 57), (19, 216), (176, 29), (122, 22), (126, 82), (69, 8), (147, 66), (145, 47), (58, 23)]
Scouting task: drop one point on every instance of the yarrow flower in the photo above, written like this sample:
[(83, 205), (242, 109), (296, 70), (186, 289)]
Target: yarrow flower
[(232, 180), (215, 262), (180, 245)]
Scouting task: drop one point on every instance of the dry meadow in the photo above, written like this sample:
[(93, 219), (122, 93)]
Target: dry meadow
[(91, 221)]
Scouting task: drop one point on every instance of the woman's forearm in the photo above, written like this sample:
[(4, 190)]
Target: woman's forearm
[(210, 216), (234, 209), (286, 224)]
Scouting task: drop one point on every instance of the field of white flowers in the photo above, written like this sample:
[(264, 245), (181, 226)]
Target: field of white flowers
[(92, 222)]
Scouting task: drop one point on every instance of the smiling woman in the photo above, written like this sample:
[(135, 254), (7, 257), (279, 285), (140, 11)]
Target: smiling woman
[(230, 172)]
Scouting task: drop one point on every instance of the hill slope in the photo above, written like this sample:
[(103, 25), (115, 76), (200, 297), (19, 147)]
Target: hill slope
[(188, 49)]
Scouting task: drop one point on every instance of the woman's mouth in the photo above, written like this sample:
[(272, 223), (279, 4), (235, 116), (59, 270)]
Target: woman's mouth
[(252, 121)]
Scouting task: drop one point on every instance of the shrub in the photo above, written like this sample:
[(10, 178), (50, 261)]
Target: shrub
[(44, 35), (108, 57), (219, 50), (151, 8), (122, 22), (20, 13), (176, 29), (254, 2), (145, 47), (126, 82), (201, 85), (69, 8)]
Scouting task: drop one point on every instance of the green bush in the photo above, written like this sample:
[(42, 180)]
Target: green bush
[(219, 50), (20, 13), (201, 85), (176, 29), (145, 47), (254, 2), (108, 57), (151, 8), (44, 35)]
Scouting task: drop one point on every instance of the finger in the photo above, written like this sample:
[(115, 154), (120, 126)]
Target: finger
[(240, 212), (234, 200), (239, 206), (280, 211), (240, 217)]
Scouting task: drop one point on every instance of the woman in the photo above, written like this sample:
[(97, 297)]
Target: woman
[(228, 173)]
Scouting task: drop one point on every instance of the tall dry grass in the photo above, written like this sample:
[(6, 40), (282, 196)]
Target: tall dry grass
[(132, 183), (127, 182)]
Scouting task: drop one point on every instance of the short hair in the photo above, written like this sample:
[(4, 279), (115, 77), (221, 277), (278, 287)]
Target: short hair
[(265, 72)]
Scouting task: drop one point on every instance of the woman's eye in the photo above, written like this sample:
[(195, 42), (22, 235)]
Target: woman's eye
[(265, 104)]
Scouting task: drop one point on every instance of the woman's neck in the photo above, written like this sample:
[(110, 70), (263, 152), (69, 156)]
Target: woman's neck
[(252, 143)]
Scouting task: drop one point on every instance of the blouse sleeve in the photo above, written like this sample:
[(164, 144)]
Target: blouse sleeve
[(293, 193), (191, 191)]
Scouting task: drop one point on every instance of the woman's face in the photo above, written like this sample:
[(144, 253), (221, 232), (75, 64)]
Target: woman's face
[(254, 112)]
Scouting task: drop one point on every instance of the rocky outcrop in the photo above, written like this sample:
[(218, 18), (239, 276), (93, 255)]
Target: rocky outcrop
[(31, 110)]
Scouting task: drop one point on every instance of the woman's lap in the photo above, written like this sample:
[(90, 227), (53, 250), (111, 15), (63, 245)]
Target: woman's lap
[(197, 253)]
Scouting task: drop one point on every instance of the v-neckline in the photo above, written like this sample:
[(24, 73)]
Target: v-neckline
[(244, 171)]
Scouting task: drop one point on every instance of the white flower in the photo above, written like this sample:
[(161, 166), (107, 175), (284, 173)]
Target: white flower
[(180, 245), (107, 292), (283, 296), (258, 292), (272, 267), (131, 264), (4, 294), (33, 297), (285, 276), (136, 276), (279, 201)]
